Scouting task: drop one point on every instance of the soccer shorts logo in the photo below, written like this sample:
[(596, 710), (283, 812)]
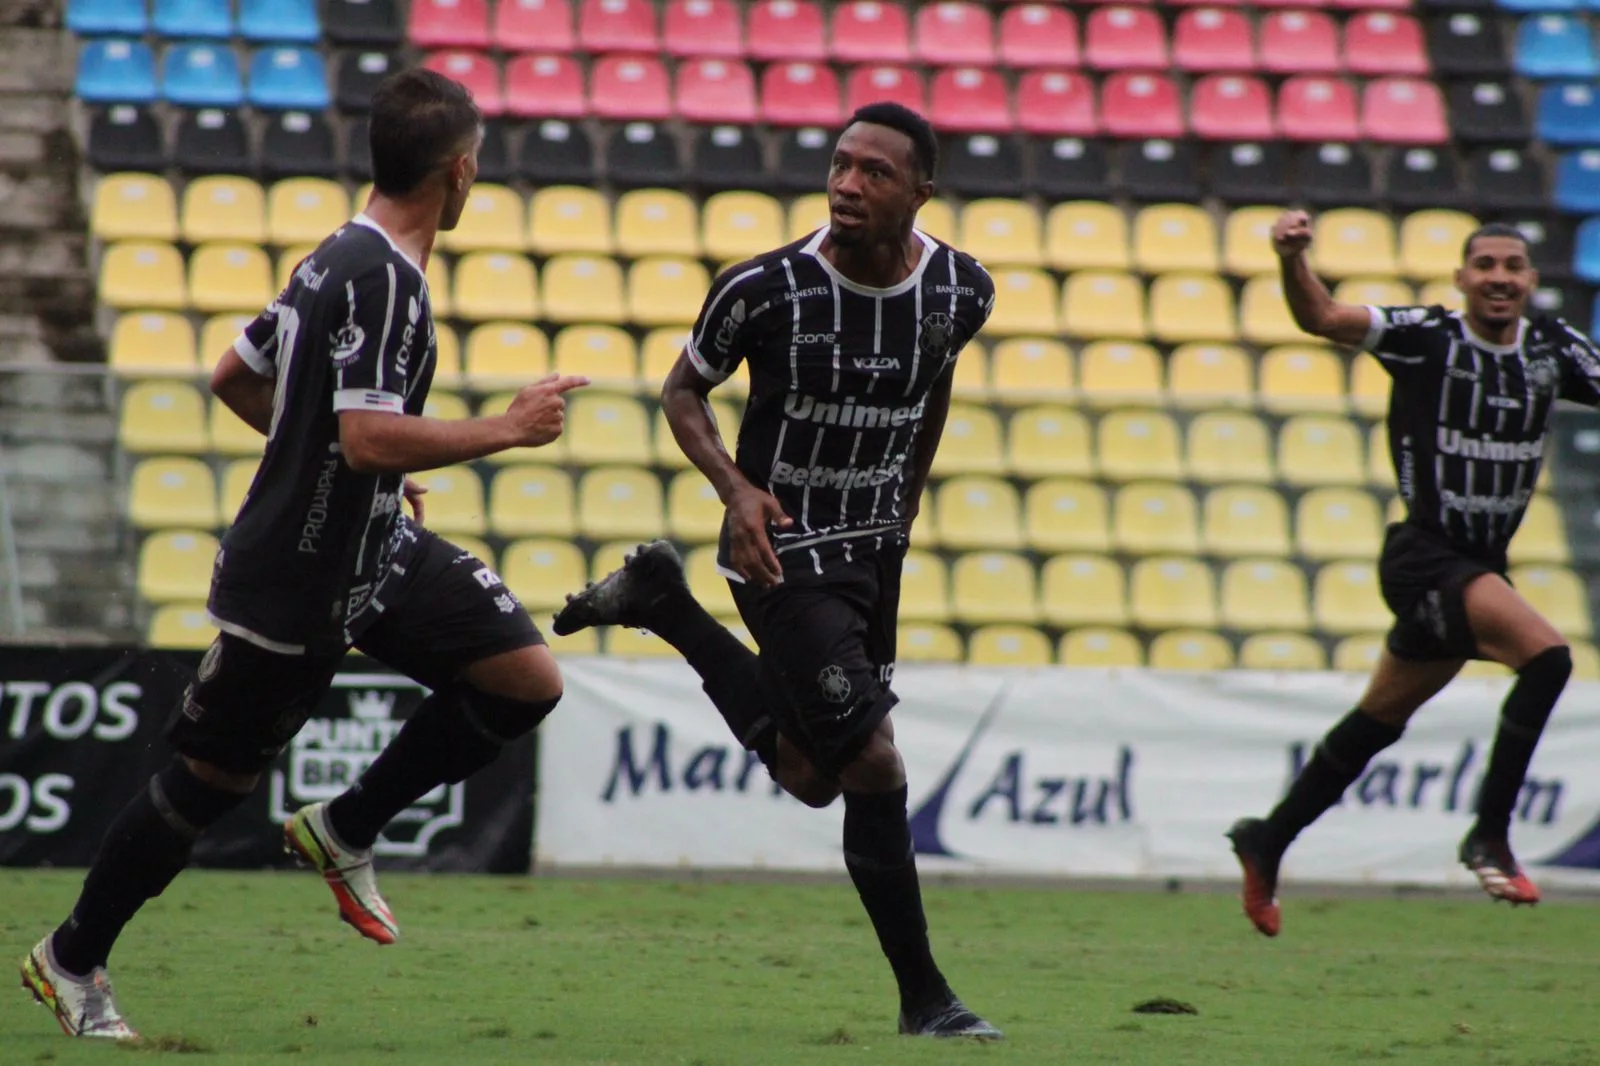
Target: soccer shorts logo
[(835, 686)]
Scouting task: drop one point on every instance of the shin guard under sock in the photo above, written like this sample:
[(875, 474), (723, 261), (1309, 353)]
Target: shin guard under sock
[(1338, 760), (1522, 720)]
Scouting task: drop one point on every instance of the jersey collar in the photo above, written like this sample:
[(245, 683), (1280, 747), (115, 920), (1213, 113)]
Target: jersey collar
[(363, 219), (1497, 349), (813, 249)]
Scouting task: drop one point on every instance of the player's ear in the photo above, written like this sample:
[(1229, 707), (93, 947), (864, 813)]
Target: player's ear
[(921, 193)]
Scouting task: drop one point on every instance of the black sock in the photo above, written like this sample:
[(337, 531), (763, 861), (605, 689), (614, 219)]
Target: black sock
[(1522, 719), (883, 865), (1334, 766), (146, 847)]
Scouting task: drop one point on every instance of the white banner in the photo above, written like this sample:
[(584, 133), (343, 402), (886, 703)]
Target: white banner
[(1084, 773)]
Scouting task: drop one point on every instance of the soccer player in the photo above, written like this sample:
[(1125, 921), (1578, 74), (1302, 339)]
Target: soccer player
[(851, 336), (321, 557), (1471, 401)]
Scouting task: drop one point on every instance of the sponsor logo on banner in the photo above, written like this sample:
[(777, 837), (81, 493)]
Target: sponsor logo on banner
[(647, 760)]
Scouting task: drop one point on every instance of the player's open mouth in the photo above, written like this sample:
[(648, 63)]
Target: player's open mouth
[(847, 216)]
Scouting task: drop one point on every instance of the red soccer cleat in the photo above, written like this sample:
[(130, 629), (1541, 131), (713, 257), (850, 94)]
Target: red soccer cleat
[(1497, 870), (1259, 859)]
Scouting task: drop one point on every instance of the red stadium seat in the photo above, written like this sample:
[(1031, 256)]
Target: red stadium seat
[(449, 24), (1299, 42), (786, 29), (800, 94), (1312, 108), (479, 73), (868, 85), (1381, 42), (629, 87), (716, 90), (1213, 39), (1403, 111), (545, 87), (1057, 103), (1038, 35), (534, 26), (1141, 105), (1124, 38), (1231, 107), (702, 28), (1205, 3), (617, 26), (1374, 5), (955, 33), (1293, 3), (866, 31), (970, 100)]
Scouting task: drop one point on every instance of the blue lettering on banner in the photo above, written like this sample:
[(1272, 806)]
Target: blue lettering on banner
[(1451, 787), (709, 768)]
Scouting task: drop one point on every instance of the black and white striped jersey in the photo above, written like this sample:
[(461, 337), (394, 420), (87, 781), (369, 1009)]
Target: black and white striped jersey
[(305, 563), (839, 379), (1467, 418)]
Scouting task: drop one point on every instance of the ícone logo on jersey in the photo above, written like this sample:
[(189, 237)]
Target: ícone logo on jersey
[(730, 325), (1544, 374)]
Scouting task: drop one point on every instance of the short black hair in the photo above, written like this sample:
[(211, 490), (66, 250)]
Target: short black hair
[(1494, 229), (924, 145), (420, 119)]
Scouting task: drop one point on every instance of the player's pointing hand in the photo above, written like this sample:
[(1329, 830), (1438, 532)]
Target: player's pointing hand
[(1291, 234), (750, 513), (539, 410)]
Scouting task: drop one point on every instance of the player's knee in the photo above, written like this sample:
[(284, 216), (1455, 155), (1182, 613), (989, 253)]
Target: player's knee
[(502, 719), (528, 675), (215, 776), (877, 768), (190, 795), (811, 788), (1551, 664)]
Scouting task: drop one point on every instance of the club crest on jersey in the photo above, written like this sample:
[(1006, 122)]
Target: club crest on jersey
[(834, 684), (938, 334), (348, 340)]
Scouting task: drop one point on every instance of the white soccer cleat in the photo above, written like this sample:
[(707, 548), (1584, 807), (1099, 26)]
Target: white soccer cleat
[(84, 1006), (348, 873)]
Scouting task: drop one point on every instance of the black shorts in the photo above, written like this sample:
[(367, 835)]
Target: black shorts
[(1422, 577), (247, 703), (828, 645)]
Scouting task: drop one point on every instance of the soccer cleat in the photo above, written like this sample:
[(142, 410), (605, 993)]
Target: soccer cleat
[(84, 1006), (347, 871), (1259, 859), (947, 1019), (625, 596), (1497, 870)]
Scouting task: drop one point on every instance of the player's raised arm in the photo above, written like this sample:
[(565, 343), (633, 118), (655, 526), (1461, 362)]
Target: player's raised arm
[(1313, 307)]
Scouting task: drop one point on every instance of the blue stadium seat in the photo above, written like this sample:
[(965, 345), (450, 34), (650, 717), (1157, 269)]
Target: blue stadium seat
[(93, 18), (280, 20), (1537, 7), (192, 18), (116, 71), (288, 78), (1578, 182), (1586, 254), (1555, 46), (201, 75), (1569, 114)]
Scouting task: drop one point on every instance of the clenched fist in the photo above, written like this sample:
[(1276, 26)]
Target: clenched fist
[(1291, 234), (539, 410)]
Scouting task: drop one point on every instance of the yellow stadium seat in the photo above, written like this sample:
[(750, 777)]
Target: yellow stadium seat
[(924, 587), (175, 564), (1337, 523), (1345, 599), (1066, 515), (1264, 317), (1264, 594), (666, 291), (1167, 591), (1245, 520), (1442, 292), (305, 210), (229, 277), (162, 416), (979, 512), (1350, 241), (1001, 233), (1229, 446), (938, 219), (1375, 292), (1190, 649), (1191, 307), (1430, 243), (1484, 668), (172, 492), (658, 354), (1296, 378), (493, 221), (1047, 441), (605, 428), (231, 435), (218, 335), (490, 285), (1210, 375), (626, 643), (807, 214), (618, 502), (993, 587), (237, 478), (1153, 516), (148, 343), (610, 556), (971, 378), (180, 627), (1320, 450), (707, 583), (1025, 303), (1357, 654), (1558, 594), (1542, 537), (440, 296), (1120, 372), (570, 218), (142, 274), (134, 207), (657, 222), (583, 288), (1030, 368), (924, 528), (447, 357), (1380, 465), (455, 500), (923, 642), (1139, 444), (668, 454), (1281, 651), (531, 501), (1395, 510), (476, 547), (542, 572), (1247, 241), (450, 407), (1008, 645), (1087, 235), (604, 354), (1369, 386), (221, 207), (289, 261), (972, 442), (738, 225), (506, 355), (1097, 646), (694, 511), (1083, 590), (1174, 237), (1585, 661), (1099, 303)]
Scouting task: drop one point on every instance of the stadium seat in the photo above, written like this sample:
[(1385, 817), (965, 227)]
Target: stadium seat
[(799, 93), (1264, 317), (1353, 241), (780, 30), (978, 512), (1542, 536), (1228, 446), (971, 375), (1379, 292), (1195, 650), (1250, 172), (1299, 42), (921, 642), (620, 503), (1345, 599), (1213, 39), (1320, 450), (972, 442), (175, 565), (162, 416), (1424, 177), (1488, 112), (455, 500), (152, 343), (694, 511), (729, 157), (1140, 105), (1557, 593), (450, 407), (1173, 237), (604, 354), (1258, 594), (1466, 44), (1338, 523), (1118, 37), (866, 31), (541, 86), (1027, 368), (535, 26), (807, 214), (229, 277), (1281, 651), (954, 33), (603, 428), (293, 78), (1008, 645), (97, 18), (1161, 169), (582, 288), (115, 71), (702, 28), (1113, 373), (305, 210), (163, 493), (1380, 465), (1569, 114), (1154, 516), (532, 501), (643, 153), (1083, 590), (358, 76), (542, 572), (1087, 235), (1245, 520), (494, 285), (1100, 304), (654, 222), (180, 627), (883, 82), (738, 225), (1430, 243), (1383, 42), (1191, 307), (1001, 232), (1038, 35), (623, 643), (665, 290), (297, 144), (1247, 241), (1171, 591), (1403, 111), (505, 355), (1100, 647), (1316, 108), (924, 585), (279, 20), (1066, 515), (1049, 442), (1357, 654), (142, 274), (218, 334), (1066, 168), (1231, 107), (450, 23), (1297, 378), (124, 137), (133, 206), (237, 478), (629, 87), (970, 100), (1334, 175), (1209, 375), (201, 75), (212, 141), (230, 435), (715, 90), (1555, 46), (492, 220), (1025, 304), (1369, 387), (362, 22), (221, 208), (993, 587), (1577, 183), (1057, 103), (617, 26)]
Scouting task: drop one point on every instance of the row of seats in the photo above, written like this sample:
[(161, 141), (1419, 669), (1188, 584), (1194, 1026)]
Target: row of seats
[(256, 20), (201, 75)]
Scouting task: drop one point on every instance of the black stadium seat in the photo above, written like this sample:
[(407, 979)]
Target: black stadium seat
[(981, 165), (1467, 45), (1160, 169), (494, 157), (362, 22), (1509, 178), (297, 143), (358, 149), (1486, 111), (556, 152), (729, 157), (1249, 172), (643, 155), (1334, 175), (1066, 168), (1424, 177), (1550, 236), (804, 155), (125, 137), (358, 74), (212, 141)]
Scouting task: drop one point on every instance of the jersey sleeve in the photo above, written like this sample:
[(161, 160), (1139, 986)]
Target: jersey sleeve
[(258, 344), (376, 320), (1402, 337), (1581, 381), (724, 334)]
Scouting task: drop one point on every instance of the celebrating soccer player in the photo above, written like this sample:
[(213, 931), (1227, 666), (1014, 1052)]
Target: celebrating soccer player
[(851, 336), (1471, 401), (322, 557)]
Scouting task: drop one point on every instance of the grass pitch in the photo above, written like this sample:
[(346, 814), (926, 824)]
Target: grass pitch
[(255, 968)]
